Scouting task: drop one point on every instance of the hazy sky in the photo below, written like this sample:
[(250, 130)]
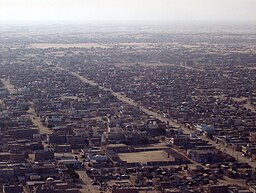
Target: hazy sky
[(126, 10)]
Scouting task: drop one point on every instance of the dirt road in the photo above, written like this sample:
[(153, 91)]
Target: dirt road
[(11, 88), (37, 122), (223, 148)]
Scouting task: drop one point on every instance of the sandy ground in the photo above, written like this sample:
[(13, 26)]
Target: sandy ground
[(247, 105), (9, 86), (250, 106), (232, 182), (37, 122), (57, 45), (144, 157), (87, 186)]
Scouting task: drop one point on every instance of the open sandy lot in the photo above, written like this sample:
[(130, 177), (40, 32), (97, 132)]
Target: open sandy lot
[(78, 45), (144, 157)]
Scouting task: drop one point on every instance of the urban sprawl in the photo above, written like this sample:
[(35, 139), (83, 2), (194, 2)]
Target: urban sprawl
[(127, 112)]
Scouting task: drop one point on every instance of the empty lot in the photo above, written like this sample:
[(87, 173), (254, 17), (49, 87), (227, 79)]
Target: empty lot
[(144, 157)]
